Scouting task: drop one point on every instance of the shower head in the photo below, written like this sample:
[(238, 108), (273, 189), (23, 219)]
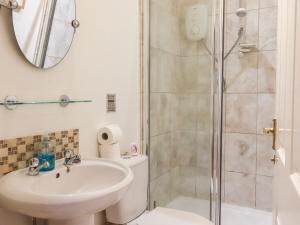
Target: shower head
[(241, 12)]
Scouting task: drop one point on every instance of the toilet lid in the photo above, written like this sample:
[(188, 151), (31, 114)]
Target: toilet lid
[(164, 216)]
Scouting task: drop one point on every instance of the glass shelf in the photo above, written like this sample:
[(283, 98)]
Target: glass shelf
[(11, 102)]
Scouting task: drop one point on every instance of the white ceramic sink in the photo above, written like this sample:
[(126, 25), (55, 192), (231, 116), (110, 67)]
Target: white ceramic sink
[(66, 197)]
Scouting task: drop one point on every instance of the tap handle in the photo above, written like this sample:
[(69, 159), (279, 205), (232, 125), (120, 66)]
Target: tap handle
[(77, 158), (68, 153), (34, 162)]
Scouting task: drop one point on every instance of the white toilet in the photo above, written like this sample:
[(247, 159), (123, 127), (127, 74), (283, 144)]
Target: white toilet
[(131, 209)]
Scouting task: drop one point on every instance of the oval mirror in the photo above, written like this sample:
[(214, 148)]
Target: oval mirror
[(44, 30)]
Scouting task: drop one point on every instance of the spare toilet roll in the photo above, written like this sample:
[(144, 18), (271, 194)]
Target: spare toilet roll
[(110, 134), (110, 151)]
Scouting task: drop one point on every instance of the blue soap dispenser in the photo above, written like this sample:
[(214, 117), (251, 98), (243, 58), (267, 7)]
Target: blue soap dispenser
[(46, 155)]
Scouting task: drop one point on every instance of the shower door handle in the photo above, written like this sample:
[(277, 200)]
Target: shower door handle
[(273, 130)]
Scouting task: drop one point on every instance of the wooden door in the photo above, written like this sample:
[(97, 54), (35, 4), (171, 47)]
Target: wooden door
[(287, 168)]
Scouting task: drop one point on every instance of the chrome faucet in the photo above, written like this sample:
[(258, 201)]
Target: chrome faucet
[(71, 157), (34, 167)]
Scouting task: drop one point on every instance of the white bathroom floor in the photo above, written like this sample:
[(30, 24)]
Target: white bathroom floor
[(231, 214)]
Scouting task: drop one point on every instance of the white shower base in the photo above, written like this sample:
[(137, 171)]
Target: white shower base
[(231, 214)]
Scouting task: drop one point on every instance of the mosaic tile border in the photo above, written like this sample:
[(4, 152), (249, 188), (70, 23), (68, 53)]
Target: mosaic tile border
[(16, 153)]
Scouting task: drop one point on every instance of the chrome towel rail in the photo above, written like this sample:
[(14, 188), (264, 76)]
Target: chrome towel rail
[(11, 102)]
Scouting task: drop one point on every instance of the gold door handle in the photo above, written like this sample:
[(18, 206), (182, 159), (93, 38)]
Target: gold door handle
[(274, 159), (272, 131)]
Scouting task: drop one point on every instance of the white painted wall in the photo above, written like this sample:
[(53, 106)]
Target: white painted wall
[(104, 58)]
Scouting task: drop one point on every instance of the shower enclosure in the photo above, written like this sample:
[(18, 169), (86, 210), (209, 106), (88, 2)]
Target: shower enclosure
[(185, 105), (196, 58)]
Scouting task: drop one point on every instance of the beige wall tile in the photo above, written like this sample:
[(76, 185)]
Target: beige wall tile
[(168, 5), (267, 71), (240, 189), (160, 155), (233, 5), (185, 111), (208, 40), (241, 73), (194, 75), (22, 149), (174, 191), (267, 28), (164, 30), (4, 169), (164, 67), (205, 121), (203, 183), (183, 4), (265, 111), (204, 149), (264, 188), (22, 164), (268, 3), (241, 113), (251, 21), (12, 159), (264, 154), (184, 181), (185, 147), (240, 153), (160, 190), (160, 106), (232, 25), (3, 152)]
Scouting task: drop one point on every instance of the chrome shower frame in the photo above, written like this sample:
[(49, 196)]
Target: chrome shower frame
[(218, 98)]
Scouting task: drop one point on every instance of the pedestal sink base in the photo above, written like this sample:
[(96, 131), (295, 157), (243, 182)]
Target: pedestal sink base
[(82, 220)]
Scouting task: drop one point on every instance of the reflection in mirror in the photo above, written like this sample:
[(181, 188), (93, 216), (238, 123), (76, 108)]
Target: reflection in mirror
[(44, 31)]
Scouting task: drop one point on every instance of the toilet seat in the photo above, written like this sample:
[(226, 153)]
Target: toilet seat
[(164, 216)]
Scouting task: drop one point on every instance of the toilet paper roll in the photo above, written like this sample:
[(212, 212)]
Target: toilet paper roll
[(110, 151), (110, 134)]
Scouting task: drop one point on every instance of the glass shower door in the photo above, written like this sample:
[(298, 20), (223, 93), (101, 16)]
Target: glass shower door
[(183, 74)]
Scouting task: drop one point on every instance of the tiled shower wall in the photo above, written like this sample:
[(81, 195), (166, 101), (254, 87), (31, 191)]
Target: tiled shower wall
[(249, 105), (180, 106)]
